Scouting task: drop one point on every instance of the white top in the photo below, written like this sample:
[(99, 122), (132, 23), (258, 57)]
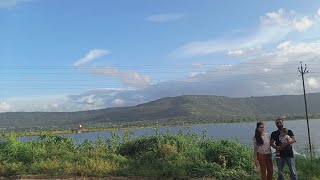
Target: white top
[(285, 139), (265, 148)]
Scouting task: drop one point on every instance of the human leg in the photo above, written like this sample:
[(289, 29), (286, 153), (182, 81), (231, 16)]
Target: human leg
[(263, 165), (292, 167), (269, 166), (280, 164)]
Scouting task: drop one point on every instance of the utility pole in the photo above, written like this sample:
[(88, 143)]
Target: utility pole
[(304, 71)]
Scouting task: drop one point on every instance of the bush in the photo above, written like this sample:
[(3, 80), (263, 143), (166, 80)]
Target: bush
[(228, 154), (181, 155), (308, 168)]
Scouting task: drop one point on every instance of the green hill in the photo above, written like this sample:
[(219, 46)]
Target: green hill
[(172, 110)]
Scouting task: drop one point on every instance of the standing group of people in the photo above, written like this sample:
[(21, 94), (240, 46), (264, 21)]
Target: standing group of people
[(281, 141)]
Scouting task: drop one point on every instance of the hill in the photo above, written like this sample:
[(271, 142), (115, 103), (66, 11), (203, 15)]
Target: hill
[(172, 110)]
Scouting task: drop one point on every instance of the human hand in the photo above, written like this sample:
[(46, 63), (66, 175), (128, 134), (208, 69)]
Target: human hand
[(283, 146), (256, 163)]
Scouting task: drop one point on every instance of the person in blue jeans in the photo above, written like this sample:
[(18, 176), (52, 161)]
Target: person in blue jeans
[(286, 152)]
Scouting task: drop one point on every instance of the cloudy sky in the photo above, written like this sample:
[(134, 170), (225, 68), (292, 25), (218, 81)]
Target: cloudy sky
[(92, 54)]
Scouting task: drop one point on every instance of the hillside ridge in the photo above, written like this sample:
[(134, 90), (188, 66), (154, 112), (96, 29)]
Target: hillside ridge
[(186, 108)]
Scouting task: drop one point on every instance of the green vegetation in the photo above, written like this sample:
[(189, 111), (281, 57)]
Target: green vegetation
[(160, 155), (308, 169), (181, 155)]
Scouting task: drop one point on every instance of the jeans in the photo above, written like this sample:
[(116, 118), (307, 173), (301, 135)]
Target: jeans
[(266, 166), (292, 167)]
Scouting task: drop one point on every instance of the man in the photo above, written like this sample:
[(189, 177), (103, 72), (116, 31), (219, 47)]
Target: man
[(286, 152)]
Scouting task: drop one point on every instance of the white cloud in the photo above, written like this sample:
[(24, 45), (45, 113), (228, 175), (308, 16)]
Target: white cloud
[(267, 69), (39, 103), (118, 102), (274, 27), (11, 3), (131, 79), (104, 70), (4, 106), (90, 56), (318, 12), (275, 17), (195, 74), (291, 86), (134, 79), (272, 73), (89, 99), (236, 53), (128, 78), (197, 65), (313, 82), (284, 45), (165, 17), (303, 24), (299, 48), (246, 52), (287, 20)]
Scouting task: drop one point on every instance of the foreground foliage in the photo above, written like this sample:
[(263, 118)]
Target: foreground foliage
[(181, 155)]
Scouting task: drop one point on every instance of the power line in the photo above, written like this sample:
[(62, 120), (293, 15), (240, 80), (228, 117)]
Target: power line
[(177, 71), (156, 65), (85, 85), (219, 77)]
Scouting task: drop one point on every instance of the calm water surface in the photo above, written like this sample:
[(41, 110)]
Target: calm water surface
[(243, 132)]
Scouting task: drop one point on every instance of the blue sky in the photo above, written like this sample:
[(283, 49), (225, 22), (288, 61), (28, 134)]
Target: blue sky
[(81, 55)]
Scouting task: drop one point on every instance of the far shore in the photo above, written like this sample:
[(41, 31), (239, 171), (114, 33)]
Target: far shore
[(124, 127)]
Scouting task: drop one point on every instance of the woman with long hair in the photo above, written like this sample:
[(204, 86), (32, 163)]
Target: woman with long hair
[(262, 152)]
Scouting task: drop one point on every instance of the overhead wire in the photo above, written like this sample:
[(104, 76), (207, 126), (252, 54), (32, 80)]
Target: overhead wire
[(75, 81)]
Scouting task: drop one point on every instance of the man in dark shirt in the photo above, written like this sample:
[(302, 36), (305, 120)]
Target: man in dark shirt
[(286, 152)]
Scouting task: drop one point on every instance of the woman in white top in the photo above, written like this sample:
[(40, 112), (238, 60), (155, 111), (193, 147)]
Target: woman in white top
[(262, 152)]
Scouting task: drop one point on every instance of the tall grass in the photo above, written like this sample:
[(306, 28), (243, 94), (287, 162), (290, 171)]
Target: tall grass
[(181, 155)]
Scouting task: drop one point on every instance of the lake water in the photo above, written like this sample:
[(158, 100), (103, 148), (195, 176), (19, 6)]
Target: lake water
[(243, 132)]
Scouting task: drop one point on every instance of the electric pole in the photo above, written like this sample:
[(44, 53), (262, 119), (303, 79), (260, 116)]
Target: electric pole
[(304, 71)]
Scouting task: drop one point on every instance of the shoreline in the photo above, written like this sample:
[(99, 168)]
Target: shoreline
[(111, 129)]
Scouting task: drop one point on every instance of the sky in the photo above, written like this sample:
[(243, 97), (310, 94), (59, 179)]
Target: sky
[(74, 55)]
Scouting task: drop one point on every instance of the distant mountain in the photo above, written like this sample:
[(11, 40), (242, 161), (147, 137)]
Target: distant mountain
[(171, 110)]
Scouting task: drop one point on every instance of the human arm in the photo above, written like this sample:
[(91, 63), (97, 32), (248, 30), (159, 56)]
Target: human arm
[(255, 152), (273, 142), (256, 162), (292, 139)]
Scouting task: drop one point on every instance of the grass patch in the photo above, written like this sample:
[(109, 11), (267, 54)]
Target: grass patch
[(181, 155)]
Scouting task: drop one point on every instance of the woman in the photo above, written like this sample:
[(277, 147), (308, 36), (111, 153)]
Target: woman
[(262, 152)]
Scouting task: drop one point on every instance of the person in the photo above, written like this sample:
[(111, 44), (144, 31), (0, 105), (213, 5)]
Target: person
[(286, 151), (262, 152), (284, 138)]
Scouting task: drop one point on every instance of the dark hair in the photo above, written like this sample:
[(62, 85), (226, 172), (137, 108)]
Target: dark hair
[(281, 118), (257, 135)]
